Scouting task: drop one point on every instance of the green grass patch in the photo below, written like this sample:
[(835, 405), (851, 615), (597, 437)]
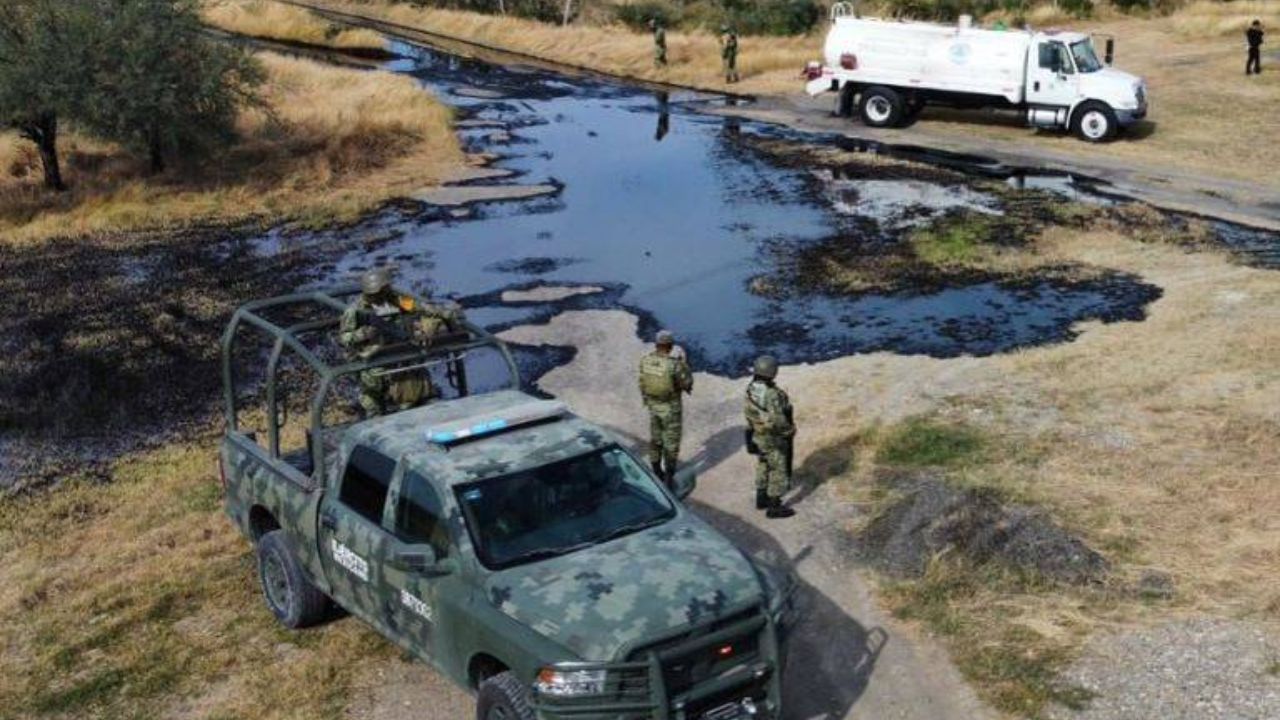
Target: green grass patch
[(960, 241), (927, 442)]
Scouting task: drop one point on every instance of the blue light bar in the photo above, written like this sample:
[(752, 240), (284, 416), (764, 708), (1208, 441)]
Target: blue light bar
[(510, 417), (444, 437)]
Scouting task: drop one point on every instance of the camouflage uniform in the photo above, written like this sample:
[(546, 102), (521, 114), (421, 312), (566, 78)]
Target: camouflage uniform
[(769, 416), (659, 44), (363, 338), (729, 54), (664, 377)]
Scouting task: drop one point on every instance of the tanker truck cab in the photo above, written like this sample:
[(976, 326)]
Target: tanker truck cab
[(889, 71)]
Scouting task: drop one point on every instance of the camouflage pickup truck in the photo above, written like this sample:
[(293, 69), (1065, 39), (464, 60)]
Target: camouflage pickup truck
[(516, 548)]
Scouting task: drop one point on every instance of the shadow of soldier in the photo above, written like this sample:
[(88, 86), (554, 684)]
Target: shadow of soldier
[(831, 655), (820, 466)]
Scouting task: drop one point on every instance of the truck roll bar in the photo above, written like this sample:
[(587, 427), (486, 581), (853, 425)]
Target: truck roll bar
[(329, 305)]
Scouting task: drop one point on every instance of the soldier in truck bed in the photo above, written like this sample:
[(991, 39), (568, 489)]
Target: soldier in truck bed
[(382, 319)]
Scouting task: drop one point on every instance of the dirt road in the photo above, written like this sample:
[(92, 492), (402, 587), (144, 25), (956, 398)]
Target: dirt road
[(847, 660), (1164, 186)]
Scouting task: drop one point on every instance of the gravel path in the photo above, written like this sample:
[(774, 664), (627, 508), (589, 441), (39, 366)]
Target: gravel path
[(1205, 669), (847, 658)]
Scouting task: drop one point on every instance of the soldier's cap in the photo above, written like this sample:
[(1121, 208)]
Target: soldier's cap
[(665, 337), (375, 281)]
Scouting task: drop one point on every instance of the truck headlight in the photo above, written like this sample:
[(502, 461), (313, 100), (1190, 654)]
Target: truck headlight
[(569, 683)]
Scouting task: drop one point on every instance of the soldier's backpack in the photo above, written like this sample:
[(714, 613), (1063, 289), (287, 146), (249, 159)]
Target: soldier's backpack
[(657, 380)]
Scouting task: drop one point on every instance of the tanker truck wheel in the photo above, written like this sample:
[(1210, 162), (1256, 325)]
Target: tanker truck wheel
[(1094, 122), (882, 107)]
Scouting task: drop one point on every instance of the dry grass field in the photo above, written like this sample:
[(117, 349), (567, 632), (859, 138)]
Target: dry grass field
[(765, 63), (328, 144), (137, 600), (265, 19)]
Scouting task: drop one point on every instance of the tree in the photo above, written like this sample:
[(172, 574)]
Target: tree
[(43, 56), (160, 86)]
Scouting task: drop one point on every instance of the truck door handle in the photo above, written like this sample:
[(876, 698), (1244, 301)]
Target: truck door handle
[(328, 521), (1037, 86)]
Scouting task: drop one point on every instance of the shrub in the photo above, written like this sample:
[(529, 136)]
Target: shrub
[(776, 17), (636, 15)]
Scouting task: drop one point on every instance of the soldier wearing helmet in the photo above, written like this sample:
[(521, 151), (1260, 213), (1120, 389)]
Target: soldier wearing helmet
[(382, 319), (664, 379), (659, 42), (729, 53), (771, 431)]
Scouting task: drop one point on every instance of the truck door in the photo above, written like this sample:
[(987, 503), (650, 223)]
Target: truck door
[(1051, 77), (353, 542), (424, 598)]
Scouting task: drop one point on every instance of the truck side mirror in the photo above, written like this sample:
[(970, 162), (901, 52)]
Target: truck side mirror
[(1111, 51), (417, 559), (683, 483)]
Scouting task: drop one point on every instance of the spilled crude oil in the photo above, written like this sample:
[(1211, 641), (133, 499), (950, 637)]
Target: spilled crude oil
[(677, 214)]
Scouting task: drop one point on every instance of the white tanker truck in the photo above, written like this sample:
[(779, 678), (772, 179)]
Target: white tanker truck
[(890, 70)]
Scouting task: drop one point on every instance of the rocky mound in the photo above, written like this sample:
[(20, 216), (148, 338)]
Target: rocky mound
[(931, 517)]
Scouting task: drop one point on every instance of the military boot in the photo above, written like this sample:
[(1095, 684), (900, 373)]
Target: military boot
[(762, 499), (778, 510)]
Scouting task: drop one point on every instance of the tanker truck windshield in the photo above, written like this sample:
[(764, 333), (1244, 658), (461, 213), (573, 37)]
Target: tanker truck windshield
[(1086, 58)]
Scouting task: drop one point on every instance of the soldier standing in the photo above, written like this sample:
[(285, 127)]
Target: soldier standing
[(1253, 65), (771, 433), (659, 42), (378, 319), (664, 378), (729, 53)]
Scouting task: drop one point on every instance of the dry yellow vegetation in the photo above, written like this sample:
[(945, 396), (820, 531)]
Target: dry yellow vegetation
[(1205, 19), (266, 19), (138, 599), (328, 144), (765, 63)]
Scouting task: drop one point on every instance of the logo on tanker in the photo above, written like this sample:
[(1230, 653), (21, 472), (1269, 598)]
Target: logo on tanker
[(959, 53)]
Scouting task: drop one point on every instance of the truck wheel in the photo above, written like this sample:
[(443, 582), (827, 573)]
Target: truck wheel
[(503, 697), (291, 596), (1094, 122), (881, 107)]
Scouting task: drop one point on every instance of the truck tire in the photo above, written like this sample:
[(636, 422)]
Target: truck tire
[(881, 107), (503, 697), (291, 596), (1094, 122)]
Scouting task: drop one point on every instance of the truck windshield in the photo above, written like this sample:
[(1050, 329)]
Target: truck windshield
[(561, 508), (1086, 58)]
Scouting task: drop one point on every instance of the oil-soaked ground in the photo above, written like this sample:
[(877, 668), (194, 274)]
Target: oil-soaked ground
[(673, 214)]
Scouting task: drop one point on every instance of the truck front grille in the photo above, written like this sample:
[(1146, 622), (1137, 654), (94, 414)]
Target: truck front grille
[(682, 677)]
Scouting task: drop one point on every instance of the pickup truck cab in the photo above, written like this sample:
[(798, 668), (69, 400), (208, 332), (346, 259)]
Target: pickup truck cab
[(518, 549)]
